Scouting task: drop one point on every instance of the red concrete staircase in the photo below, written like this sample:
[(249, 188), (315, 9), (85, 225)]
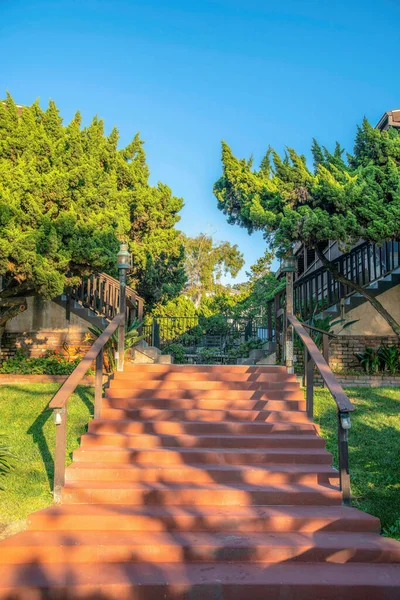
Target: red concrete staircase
[(201, 483)]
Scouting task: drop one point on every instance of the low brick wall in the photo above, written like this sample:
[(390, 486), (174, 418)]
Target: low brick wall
[(27, 379), (36, 343), (364, 381), (342, 349)]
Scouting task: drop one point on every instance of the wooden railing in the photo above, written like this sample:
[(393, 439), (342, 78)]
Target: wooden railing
[(363, 265), (314, 359), (101, 293), (60, 401)]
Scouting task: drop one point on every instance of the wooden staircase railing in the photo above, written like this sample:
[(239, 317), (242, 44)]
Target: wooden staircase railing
[(314, 359), (60, 401), (101, 294)]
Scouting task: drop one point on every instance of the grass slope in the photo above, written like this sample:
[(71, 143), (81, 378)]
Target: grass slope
[(374, 446), (28, 425), (28, 429)]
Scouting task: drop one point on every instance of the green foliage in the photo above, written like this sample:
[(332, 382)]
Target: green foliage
[(336, 201), (389, 358), (132, 337), (68, 195), (205, 263), (244, 349), (177, 351), (385, 359), (215, 325), (6, 461), (51, 363)]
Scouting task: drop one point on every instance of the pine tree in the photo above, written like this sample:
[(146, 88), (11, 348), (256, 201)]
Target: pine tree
[(338, 201), (68, 196)]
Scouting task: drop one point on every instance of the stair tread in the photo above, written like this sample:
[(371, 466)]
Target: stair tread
[(228, 436), (180, 449), (334, 576), (264, 511), (321, 539), (292, 487), (292, 468)]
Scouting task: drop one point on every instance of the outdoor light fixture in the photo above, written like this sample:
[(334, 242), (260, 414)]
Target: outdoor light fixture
[(289, 264), (124, 257), (345, 420), (58, 415)]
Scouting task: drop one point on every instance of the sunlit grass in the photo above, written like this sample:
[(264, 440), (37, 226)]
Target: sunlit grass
[(28, 427), (374, 446)]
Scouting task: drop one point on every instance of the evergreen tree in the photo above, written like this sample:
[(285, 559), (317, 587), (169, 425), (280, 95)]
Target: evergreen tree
[(338, 201), (68, 196)]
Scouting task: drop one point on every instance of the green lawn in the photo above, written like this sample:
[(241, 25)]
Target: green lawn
[(28, 425), (374, 445)]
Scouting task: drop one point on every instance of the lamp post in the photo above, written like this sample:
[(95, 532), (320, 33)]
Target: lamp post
[(289, 266), (124, 261)]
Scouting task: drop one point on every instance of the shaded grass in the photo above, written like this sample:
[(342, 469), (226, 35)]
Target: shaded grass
[(374, 449), (28, 426)]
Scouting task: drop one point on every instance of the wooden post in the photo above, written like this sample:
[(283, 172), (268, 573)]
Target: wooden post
[(270, 322), (140, 314), (121, 329), (309, 383), (343, 450), (288, 328), (98, 385), (60, 420)]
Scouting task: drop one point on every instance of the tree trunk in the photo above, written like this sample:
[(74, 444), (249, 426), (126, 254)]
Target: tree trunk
[(358, 288)]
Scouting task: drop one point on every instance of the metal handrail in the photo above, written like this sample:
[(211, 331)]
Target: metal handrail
[(59, 403), (314, 358)]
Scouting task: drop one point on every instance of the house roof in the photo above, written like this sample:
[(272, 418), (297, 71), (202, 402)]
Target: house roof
[(391, 118)]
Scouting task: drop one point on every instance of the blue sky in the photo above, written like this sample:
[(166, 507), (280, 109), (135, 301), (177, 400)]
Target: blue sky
[(187, 74)]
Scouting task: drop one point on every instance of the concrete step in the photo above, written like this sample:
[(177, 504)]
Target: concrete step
[(189, 385), (206, 394), (172, 547), (284, 404), (222, 581), (228, 456), (204, 415), (203, 474), (219, 369), (107, 517), (147, 374), (139, 441), (127, 426), (99, 492)]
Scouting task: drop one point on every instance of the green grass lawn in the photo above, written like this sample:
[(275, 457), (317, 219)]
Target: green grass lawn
[(29, 430), (374, 448)]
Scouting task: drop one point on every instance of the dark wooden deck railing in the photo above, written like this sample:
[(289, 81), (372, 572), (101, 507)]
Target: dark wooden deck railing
[(60, 401), (100, 292), (314, 359), (363, 265)]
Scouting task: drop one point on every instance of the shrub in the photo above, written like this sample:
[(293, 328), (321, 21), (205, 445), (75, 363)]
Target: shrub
[(50, 363), (177, 351)]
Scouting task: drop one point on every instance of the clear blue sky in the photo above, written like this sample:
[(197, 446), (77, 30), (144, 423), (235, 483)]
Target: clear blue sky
[(188, 73)]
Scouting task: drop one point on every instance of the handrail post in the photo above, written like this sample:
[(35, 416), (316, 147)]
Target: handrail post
[(288, 326), (344, 425), (98, 385), (309, 383), (60, 420), (122, 311)]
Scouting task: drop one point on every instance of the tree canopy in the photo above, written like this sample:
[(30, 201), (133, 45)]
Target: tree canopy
[(68, 196), (206, 261), (342, 199)]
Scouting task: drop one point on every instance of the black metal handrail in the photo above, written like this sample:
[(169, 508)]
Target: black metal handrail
[(314, 358)]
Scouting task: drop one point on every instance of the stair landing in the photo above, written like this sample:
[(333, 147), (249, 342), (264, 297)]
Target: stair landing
[(201, 483)]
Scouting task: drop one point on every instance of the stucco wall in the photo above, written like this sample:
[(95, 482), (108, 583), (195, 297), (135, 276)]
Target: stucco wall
[(370, 323), (44, 315)]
